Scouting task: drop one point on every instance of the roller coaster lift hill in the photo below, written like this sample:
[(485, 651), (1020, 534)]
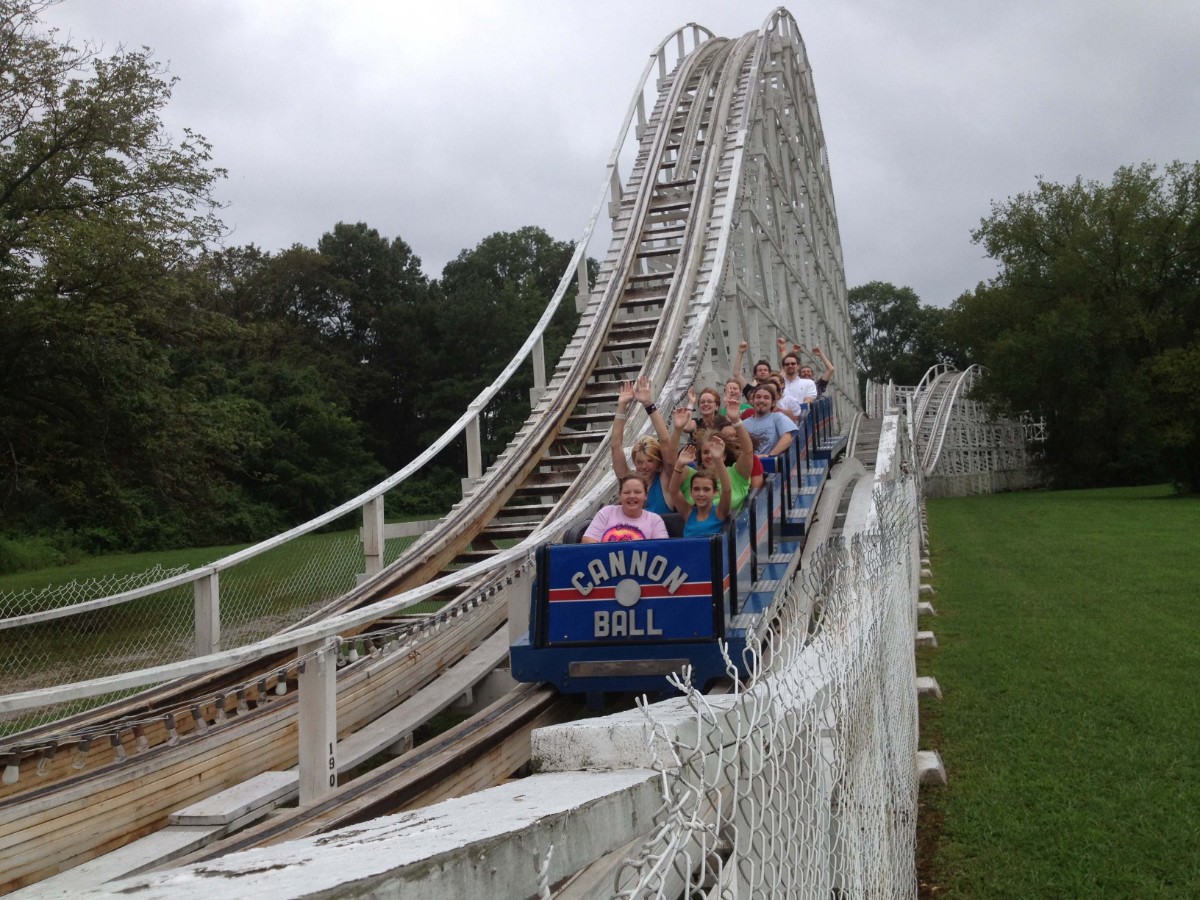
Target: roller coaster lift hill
[(617, 617)]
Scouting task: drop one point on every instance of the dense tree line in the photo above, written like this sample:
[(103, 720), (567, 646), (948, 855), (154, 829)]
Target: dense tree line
[(156, 392), (896, 337), (1094, 323)]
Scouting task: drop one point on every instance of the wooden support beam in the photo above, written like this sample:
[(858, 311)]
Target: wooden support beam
[(318, 721), (207, 593)]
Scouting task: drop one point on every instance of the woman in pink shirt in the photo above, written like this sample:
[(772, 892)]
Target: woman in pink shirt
[(628, 520)]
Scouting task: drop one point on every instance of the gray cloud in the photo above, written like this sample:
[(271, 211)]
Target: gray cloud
[(441, 124)]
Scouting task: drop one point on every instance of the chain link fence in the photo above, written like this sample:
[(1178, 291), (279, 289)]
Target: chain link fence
[(106, 640), (258, 598), (803, 783)]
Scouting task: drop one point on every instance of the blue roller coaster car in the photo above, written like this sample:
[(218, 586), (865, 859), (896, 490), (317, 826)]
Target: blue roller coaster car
[(618, 617)]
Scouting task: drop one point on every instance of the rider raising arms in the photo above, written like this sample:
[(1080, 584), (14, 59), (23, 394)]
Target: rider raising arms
[(652, 458)]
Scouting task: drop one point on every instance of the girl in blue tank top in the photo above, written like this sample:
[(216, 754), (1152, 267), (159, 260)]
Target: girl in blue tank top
[(702, 517), (656, 500)]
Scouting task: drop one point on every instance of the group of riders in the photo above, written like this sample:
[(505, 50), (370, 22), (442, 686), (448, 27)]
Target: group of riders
[(729, 439)]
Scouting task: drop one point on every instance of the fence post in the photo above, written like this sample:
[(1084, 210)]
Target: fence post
[(583, 291), (827, 825), (614, 192), (474, 455), (539, 371), (207, 594), (318, 720), (372, 537)]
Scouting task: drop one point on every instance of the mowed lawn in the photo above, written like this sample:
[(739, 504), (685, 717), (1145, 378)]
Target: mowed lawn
[(1069, 660)]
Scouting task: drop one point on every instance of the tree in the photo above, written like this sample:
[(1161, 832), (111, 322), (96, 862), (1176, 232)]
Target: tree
[(1093, 322), (285, 385), (82, 150), (377, 295), (98, 207), (895, 337), (486, 303)]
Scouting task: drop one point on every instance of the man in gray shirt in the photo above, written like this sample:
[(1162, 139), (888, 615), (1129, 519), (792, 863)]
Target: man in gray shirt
[(771, 432)]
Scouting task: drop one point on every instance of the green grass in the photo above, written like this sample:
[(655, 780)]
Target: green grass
[(116, 564), (1070, 728), (121, 564)]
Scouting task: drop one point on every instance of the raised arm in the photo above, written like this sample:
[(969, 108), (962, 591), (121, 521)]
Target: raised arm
[(797, 349), (680, 418), (643, 394), (828, 376), (737, 364), (745, 460), (726, 501), (675, 489), (616, 444)]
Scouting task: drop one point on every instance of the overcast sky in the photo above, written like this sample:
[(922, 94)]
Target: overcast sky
[(442, 123)]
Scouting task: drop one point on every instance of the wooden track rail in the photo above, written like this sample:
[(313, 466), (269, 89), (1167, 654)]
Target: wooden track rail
[(77, 818), (477, 753), (662, 306), (632, 323)]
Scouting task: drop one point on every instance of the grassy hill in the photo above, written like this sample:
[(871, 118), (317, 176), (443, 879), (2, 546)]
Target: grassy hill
[(1069, 659)]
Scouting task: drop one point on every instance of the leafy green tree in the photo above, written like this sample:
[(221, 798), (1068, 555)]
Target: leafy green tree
[(277, 387), (1172, 376), (896, 338), (83, 152), (229, 282), (481, 311), (377, 295), (1094, 319), (98, 207)]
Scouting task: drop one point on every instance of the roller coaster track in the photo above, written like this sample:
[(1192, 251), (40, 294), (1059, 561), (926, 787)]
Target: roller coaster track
[(963, 446), (939, 399), (934, 400), (724, 230)]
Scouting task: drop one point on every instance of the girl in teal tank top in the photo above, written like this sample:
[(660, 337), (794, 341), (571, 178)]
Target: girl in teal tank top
[(702, 517), (656, 500)]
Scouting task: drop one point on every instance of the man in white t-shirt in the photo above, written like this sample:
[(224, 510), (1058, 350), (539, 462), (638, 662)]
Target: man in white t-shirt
[(804, 390)]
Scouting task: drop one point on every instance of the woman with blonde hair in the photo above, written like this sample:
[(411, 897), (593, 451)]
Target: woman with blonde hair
[(653, 458)]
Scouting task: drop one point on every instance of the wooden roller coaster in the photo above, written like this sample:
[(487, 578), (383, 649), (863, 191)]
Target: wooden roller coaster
[(57, 815)]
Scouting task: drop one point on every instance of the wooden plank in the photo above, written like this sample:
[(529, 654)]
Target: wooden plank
[(418, 709), (415, 771), (76, 825), (492, 769), (236, 802), (178, 784), (154, 849), (65, 846), (364, 679)]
